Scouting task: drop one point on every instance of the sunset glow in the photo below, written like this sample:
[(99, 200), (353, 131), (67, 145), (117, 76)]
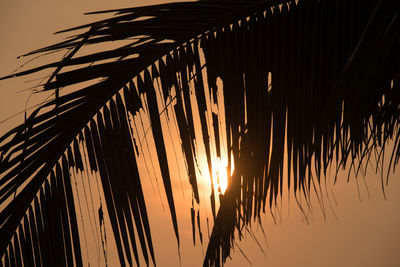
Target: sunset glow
[(220, 174)]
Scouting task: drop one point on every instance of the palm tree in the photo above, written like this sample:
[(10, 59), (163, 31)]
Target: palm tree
[(307, 84)]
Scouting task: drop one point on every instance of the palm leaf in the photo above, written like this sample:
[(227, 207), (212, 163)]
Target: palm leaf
[(313, 83)]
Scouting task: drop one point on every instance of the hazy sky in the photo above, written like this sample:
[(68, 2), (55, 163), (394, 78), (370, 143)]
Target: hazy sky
[(366, 233)]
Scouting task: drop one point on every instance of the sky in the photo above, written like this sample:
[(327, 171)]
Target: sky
[(365, 231)]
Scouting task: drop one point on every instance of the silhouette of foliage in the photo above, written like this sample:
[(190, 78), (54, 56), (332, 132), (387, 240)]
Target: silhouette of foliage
[(313, 83)]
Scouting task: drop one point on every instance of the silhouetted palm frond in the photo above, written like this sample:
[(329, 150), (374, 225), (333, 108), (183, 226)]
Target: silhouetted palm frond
[(310, 83)]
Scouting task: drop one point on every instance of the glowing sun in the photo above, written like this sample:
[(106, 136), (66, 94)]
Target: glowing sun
[(220, 174)]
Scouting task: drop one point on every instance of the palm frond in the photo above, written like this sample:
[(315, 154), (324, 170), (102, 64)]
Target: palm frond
[(311, 83)]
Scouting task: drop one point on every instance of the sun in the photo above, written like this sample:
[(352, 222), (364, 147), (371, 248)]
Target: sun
[(220, 174)]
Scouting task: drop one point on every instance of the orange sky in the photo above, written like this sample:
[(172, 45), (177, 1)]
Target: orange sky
[(366, 234)]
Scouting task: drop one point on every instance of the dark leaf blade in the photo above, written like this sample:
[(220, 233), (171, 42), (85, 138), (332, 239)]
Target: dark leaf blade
[(137, 202), (160, 147), (216, 134), (71, 210), (77, 155), (192, 216), (187, 147), (98, 149)]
